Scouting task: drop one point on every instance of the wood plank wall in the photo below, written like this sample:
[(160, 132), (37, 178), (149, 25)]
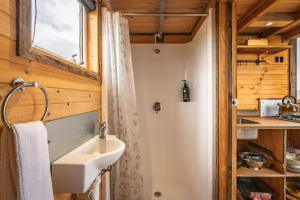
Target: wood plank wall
[(69, 94), (267, 80)]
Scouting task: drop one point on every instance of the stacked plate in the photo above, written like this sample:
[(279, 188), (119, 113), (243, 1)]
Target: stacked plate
[(293, 189), (293, 162)]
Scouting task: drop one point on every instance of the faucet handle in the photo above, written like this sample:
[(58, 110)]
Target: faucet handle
[(103, 126), (102, 130)]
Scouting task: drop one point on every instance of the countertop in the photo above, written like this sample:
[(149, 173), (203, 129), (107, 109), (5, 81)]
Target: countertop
[(269, 123)]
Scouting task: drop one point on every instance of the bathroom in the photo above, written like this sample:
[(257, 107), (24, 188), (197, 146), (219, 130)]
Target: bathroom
[(149, 99), (83, 127)]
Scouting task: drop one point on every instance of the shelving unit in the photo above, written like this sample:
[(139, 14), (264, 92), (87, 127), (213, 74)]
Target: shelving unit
[(265, 172), (275, 140), (261, 49)]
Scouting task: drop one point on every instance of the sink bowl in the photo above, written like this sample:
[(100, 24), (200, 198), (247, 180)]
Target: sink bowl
[(246, 121), (76, 171)]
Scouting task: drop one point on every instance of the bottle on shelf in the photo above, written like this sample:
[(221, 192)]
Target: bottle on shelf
[(185, 92)]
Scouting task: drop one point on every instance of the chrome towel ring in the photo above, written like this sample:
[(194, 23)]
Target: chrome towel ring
[(20, 84)]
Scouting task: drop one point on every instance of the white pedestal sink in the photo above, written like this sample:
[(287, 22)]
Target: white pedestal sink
[(76, 171)]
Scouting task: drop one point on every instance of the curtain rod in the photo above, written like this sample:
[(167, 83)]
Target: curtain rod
[(166, 14)]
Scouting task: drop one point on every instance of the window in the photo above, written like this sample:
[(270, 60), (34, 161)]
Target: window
[(55, 32), (59, 27)]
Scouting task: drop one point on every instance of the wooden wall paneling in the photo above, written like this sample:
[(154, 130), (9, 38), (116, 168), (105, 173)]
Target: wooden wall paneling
[(134, 6), (267, 80), (17, 114), (274, 141), (143, 24), (179, 24), (33, 96), (276, 184)]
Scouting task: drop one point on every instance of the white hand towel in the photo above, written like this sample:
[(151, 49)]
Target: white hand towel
[(33, 161)]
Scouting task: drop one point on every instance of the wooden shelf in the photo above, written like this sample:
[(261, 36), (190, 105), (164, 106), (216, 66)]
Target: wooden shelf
[(265, 172), (254, 49), (290, 197), (292, 174)]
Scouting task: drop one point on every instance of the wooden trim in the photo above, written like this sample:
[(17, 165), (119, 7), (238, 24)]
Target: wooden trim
[(234, 96), (26, 50), (292, 34), (201, 20), (99, 39), (24, 31), (254, 13), (275, 31), (93, 36), (224, 106), (42, 56), (293, 69)]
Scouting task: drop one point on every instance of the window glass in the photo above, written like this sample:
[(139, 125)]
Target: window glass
[(60, 28)]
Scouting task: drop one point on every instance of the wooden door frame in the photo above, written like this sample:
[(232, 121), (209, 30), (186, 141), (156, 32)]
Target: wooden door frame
[(226, 91), (293, 68)]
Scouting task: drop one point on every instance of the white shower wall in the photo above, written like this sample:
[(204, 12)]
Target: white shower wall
[(179, 141)]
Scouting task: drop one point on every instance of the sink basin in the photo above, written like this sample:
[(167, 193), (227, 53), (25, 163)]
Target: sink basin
[(246, 121), (76, 171)]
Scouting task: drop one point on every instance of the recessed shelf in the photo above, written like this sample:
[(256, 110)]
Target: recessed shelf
[(260, 49), (265, 172)]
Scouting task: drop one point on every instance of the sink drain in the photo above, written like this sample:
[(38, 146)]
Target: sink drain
[(157, 194)]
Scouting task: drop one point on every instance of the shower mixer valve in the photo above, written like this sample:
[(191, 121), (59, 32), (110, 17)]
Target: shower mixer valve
[(156, 107)]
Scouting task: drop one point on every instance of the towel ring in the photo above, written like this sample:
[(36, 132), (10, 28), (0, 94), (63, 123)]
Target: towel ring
[(20, 84)]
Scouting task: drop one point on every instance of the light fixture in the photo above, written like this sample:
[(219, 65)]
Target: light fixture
[(269, 23)]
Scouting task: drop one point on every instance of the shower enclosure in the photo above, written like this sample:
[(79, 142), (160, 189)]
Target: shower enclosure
[(179, 139)]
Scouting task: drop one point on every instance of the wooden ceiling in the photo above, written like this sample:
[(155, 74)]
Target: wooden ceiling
[(266, 18), (175, 29)]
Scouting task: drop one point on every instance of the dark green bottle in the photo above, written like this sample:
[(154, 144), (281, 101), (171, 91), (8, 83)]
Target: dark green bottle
[(185, 92)]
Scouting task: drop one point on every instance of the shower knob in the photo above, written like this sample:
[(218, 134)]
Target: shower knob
[(156, 107)]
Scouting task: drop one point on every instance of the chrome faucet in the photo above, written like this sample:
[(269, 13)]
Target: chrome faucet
[(102, 133)]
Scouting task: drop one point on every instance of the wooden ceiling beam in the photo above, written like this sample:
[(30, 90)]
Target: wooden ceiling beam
[(277, 16), (201, 19), (292, 34), (254, 13), (275, 31)]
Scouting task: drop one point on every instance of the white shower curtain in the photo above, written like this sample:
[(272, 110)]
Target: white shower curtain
[(120, 99)]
